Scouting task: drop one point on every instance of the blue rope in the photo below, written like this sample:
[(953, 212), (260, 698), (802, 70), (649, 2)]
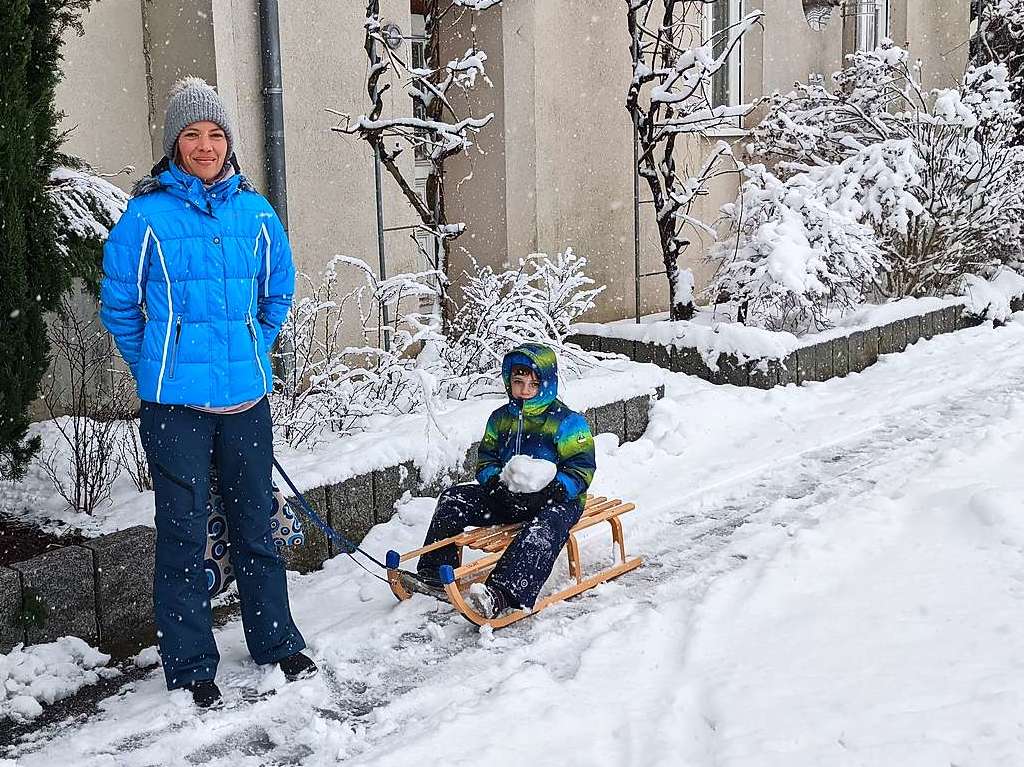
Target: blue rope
[(347, 546)]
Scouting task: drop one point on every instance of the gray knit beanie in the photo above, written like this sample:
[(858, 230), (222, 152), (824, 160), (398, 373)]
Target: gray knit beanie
[(193, 100)]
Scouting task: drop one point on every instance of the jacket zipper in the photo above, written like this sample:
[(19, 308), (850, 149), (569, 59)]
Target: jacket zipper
[(519, 432), (174, 352), (255, 349)]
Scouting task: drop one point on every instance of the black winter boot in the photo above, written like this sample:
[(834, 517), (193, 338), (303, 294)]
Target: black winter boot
[(488, 600), (298, 666), (205, 693)]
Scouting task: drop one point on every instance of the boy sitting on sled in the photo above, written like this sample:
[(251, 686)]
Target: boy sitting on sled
[(535, 463)]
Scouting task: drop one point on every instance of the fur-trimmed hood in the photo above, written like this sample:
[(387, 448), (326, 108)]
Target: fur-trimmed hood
[(152, 182)]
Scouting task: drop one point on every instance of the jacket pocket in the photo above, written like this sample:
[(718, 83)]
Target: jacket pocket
[(174, 350)]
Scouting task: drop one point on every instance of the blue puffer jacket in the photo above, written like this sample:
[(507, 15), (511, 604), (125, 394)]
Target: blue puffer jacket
[(196, 284)]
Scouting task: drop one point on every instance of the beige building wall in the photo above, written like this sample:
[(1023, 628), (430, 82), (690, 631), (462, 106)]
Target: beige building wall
[(552, 170), (937, 31), (104, 95), (118, 75)]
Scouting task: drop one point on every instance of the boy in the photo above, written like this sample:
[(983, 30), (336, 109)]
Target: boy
[(533, 423)]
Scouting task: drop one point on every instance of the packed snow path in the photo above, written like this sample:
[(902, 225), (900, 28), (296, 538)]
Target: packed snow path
[(834, 575)]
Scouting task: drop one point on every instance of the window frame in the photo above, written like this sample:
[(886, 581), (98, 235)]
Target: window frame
[(871, 19), (733, 70)]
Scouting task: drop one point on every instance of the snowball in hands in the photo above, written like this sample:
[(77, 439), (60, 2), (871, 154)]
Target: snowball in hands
[(523, 474)]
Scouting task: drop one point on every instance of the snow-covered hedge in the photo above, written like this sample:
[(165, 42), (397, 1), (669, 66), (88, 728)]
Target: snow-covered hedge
[(412, 362), (921, 189)]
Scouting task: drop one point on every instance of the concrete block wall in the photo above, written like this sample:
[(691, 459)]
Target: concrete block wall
[(835, 358)]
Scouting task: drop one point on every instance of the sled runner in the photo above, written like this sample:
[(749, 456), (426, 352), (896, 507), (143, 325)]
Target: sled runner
[(493, 541)]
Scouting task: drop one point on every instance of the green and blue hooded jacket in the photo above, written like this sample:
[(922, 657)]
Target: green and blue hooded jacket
[(540, 427)]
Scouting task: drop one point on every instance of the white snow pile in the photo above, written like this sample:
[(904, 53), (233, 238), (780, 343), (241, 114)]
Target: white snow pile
[(991, 298), (524, 474), (46, 673)]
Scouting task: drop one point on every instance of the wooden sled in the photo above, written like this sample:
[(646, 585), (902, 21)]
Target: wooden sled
[(493, 540)]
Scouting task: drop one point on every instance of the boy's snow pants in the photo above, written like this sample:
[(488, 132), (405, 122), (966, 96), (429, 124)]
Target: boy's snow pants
[(528, 560), (180, 443)]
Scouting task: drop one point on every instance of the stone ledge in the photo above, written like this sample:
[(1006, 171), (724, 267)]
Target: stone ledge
[(822, 361)]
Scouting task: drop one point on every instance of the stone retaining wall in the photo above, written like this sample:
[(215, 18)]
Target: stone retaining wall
[(102, 590), (829, 359)]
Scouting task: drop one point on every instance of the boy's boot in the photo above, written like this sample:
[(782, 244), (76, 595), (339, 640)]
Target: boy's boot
[(487, 599), (421, 583)]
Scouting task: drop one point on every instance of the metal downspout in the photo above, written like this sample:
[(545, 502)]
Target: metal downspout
[(273, 108)]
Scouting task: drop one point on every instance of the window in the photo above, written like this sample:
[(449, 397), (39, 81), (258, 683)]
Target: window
[(870, 21), (419, 61), (719, 17)]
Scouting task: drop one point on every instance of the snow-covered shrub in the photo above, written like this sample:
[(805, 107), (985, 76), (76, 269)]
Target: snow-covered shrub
[(86, 206), (500, 310), (935, 174), (90, 403), (795, 257), (409, 363), (1000, 39), (330, 385)]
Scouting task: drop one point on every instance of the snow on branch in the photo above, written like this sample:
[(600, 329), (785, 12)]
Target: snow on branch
[(86, 207), (676, 56), (434, 129)]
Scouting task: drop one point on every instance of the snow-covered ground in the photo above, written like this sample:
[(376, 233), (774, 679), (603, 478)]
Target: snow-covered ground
[(834, 576)]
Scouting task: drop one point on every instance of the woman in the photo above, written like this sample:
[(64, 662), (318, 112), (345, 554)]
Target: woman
[(198, 278)]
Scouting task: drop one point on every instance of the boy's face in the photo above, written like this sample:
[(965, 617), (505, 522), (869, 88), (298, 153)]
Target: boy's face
[(525, 383)]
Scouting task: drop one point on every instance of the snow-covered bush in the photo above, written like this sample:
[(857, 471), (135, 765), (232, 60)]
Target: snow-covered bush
[(795, 257), (408, 364), (86, 207), (90, 403), (500, 310), (935, 175), (330, 385), (1000, 39)]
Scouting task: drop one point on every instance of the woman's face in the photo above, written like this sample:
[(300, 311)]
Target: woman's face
[(202, 149)]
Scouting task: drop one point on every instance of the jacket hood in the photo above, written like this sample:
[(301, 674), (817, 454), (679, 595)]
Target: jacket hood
[(167, 175), (542, 360)]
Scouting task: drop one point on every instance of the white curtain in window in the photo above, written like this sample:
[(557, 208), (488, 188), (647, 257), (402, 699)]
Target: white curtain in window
[(872, 23)]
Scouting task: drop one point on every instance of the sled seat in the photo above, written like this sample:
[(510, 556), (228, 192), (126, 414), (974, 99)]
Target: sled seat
[(495, 539)]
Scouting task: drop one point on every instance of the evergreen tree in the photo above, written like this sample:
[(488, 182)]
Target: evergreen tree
[(32, 274)]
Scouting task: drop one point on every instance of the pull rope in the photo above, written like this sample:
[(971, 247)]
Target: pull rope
[(348, 547)]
